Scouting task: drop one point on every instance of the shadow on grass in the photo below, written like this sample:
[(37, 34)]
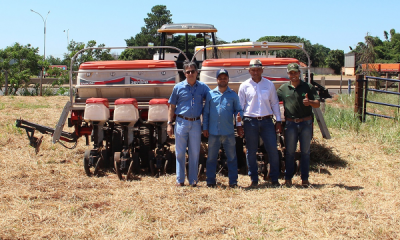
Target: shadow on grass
[(323, 156), (349, 188)]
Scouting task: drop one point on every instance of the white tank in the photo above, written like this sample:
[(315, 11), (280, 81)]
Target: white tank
[(96, 110), (126, 111), (158, 110)]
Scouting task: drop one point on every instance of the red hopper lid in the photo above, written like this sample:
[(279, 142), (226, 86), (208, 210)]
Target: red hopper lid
[(98, 100), (158, 101), (121, 101)]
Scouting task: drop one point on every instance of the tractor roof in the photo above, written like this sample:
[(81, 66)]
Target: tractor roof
[(187, 28)]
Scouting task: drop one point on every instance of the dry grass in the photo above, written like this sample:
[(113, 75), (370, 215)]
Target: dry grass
[(354, 194)]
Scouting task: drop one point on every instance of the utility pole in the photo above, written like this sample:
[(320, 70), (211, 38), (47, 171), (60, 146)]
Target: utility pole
[(44, 47), (67, 38)]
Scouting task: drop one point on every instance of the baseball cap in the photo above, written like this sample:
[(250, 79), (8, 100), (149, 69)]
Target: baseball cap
[(293, 67), (255, 63), (222, 71)]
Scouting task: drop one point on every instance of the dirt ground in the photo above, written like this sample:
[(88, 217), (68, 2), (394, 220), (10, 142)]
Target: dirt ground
[(354, 193)]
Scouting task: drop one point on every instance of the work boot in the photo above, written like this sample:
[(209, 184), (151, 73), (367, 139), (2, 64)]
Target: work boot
[(288, 182), (253, 184), (211, 185), (275, 184), (305, 183)]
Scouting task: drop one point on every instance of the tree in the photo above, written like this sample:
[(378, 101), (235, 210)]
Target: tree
[(335, 60), (55, 61), (386, 34), (17, 64), (300, 55), (241, 40), (86, 56), (374, 50), (159, 16), (320, 54)]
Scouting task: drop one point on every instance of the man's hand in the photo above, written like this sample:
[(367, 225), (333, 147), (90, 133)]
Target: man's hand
[(278, 127), (240, 131), (238, 117), (170, 130), (306, 101), (205, 133)]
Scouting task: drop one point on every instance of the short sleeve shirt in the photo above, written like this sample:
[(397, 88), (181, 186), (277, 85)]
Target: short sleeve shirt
[(189, 99), (293, 99)]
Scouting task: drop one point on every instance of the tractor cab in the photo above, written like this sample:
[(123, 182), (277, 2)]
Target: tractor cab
[(203, 33)]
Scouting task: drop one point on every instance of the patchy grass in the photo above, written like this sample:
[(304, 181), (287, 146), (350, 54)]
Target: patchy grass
[(354, 194)]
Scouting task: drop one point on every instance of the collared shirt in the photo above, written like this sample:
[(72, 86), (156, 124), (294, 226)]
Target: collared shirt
[(293, 99), (259, 99), (219, 111), (189, 99)]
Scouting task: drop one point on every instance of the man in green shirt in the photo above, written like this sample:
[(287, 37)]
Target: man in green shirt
[(298, 99)]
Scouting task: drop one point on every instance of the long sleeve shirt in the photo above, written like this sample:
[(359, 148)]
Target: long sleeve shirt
[(259, 99), (219, 111)]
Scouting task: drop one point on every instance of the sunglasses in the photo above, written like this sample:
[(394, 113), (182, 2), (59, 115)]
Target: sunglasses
[(190, 72)]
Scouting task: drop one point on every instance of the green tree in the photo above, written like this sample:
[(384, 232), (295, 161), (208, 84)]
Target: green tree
[(300, 55), (86, 56), (241, 40), (17, 64), (320, 54), (159, 16), (374, 50), (335, 60), (55, 61)]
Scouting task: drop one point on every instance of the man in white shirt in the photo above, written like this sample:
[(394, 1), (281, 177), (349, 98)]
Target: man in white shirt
[(260, 102)]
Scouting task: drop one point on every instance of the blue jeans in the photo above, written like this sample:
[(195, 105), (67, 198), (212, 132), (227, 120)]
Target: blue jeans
[(229, 144), (187, 134), (265, 129), (301, 132)]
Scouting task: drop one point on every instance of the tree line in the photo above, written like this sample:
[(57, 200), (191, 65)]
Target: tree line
[(18, 63)]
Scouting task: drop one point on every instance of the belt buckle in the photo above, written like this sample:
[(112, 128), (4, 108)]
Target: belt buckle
[(259, 118), (297, 120)]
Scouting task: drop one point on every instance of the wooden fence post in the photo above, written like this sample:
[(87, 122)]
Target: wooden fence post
[(358, 106)]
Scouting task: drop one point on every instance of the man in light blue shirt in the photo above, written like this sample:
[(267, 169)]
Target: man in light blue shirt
[(222, 104), (186, 102)]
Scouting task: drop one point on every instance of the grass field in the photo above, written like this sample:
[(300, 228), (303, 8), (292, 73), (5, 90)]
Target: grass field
[(355, 191)]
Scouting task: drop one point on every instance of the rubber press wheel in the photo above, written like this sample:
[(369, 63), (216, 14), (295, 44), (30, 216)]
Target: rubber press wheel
[(134, 166), (86, 162), (97, 167), (117, 164)]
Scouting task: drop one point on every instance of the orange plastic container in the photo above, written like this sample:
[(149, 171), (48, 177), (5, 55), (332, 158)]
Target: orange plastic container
[(390, 67), (371, 67)]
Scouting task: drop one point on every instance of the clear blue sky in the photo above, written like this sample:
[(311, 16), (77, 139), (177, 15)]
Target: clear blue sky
[(334, 24)]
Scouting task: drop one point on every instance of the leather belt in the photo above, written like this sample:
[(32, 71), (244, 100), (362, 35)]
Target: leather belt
[(298, 120), (261, 118), (189, 119)]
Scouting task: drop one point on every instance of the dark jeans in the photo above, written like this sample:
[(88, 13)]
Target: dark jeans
[(265, 129), (301, 132)]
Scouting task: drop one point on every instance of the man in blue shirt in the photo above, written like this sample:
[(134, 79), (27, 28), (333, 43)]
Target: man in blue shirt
[(222, 104), (186, 102)]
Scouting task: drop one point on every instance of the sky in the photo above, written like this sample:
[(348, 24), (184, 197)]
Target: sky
[(335, 24)]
